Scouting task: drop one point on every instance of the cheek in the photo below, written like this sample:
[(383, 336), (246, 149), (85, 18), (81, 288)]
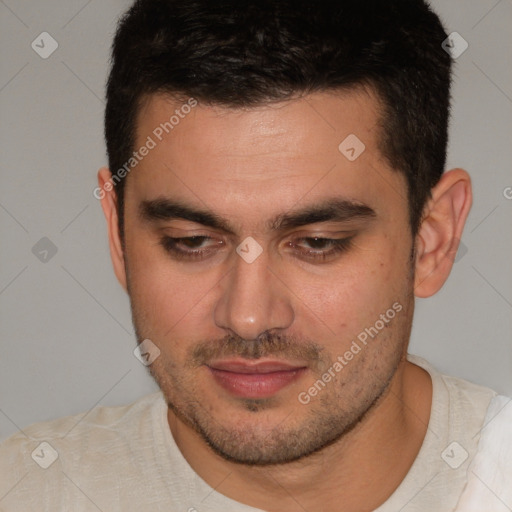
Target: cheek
[(171, 301), (154, 289), (355, 293), (168, 301)]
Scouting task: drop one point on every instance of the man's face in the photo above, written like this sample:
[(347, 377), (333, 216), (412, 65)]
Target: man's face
[(245, 335)]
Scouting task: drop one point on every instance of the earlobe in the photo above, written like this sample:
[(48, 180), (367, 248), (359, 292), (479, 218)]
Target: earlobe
[(109, 205), (440, 232)]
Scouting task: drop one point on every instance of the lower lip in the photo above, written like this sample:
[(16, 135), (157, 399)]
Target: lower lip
[(255, 385)]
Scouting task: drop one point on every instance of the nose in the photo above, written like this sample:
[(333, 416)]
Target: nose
[(253, 300)]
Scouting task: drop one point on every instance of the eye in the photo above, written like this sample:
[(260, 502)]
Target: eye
[(191, 247), (320, 248)]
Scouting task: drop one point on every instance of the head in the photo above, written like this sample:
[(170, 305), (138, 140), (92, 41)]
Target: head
[(282, 201)]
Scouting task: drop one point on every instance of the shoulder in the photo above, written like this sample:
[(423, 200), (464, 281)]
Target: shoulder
[(463, 400), (92, 422), (481, 420), (490, 472), (467, 401), (41, 457)]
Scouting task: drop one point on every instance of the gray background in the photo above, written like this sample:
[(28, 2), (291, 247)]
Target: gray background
[(65, 325)]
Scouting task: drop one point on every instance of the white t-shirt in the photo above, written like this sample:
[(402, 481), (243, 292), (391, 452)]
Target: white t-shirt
[(123, 459)]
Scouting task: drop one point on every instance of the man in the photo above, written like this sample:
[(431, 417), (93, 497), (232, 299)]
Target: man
[(275, 201)]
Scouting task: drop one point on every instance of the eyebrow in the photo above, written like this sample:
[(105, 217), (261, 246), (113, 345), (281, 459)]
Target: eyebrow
[(330, 210)]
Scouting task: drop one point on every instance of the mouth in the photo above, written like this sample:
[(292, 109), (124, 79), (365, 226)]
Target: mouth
[(254, 379)]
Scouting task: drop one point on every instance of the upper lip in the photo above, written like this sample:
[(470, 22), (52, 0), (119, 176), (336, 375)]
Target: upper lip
[(246, 366)]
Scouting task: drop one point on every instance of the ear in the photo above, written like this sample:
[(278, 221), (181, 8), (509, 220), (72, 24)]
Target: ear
[(440, 231), (109, 205)]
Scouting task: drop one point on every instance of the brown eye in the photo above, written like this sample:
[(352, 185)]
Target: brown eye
[(192, 242), (320, 248), (191, 247)]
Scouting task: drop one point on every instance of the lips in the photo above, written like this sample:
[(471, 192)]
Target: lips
[(254, 379)]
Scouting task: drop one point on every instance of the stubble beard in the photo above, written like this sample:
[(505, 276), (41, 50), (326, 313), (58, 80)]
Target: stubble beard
[(337, 410)]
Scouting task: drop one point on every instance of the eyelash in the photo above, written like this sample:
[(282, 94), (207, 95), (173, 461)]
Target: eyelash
[(338, 246)]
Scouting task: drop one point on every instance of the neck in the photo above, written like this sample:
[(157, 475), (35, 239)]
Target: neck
[(376, 455)]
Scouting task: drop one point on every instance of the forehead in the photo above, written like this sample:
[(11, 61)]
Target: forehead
[(270, 155), (269, 127)]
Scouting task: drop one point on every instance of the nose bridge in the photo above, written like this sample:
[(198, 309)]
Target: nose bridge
[(252, 302)]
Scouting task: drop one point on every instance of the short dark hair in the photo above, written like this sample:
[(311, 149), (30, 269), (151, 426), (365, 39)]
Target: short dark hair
[(242, 53)]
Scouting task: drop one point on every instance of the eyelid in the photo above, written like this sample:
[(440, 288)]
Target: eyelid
[(321, 232), (327, 239), (336, 246), (176, 232), (333, 238), (177, 239), (170, 245)]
